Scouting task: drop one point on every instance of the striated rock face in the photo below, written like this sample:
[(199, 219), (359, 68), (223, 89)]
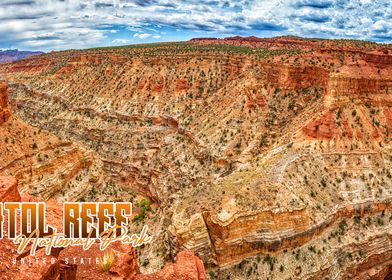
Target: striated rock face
[(139, 133), (5, 112), (45, 165), (270, 159), (3, 95), (343, 89)]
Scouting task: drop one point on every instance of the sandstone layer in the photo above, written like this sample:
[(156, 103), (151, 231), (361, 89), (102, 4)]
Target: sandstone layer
[(5, 112), (45, 165)]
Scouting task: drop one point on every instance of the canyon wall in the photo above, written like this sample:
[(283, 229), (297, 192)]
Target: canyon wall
[(45, 165), (344, 89), (5, 112), (267, 158)]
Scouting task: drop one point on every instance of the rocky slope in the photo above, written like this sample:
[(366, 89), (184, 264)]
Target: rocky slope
[(45, 165), (61, 263), (268, 158)]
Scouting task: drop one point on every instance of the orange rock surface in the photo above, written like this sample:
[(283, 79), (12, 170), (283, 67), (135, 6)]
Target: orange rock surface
[(9, 189), (5, 112)]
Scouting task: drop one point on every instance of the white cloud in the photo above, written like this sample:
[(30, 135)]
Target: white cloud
[(121, 41), (53, 24), (142, 35)]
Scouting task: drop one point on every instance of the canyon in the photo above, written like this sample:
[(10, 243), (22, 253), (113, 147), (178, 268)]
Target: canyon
[(266, 158)]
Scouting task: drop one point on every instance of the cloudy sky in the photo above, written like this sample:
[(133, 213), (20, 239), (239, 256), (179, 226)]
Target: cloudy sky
[(65, 24)]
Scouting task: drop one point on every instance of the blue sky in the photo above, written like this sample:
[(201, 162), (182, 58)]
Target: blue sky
[(64, 24)]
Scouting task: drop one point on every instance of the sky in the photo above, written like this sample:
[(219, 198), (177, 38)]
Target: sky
[(70, 24)]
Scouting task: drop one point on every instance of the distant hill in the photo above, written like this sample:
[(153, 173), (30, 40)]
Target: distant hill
[(13, 55)]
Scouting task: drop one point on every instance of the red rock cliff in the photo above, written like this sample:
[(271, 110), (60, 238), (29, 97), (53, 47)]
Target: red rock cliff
[(9, 189), (5, 112)]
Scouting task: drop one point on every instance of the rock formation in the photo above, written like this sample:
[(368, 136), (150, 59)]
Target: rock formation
[(45, 165), (60, 264), (9, 189), (268, 158), (4, 109)]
